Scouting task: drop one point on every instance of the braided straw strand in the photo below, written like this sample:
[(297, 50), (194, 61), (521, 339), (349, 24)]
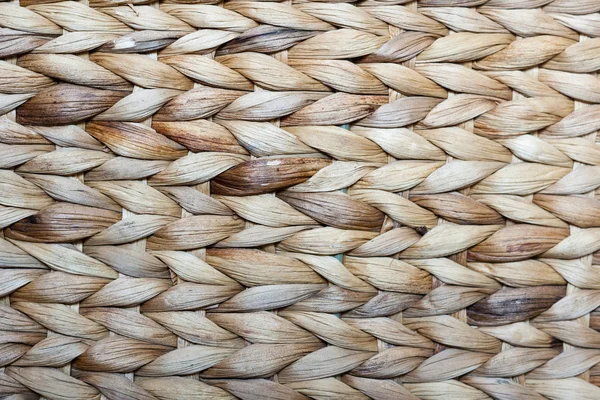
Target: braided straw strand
[(298, 199)]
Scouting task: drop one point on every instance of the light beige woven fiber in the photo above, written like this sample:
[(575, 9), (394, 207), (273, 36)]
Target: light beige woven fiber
[(375, 199)]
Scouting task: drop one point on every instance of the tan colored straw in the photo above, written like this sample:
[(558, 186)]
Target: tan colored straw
[(326, 199)]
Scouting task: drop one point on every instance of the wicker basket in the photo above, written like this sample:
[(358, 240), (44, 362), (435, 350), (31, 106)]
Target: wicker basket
[(329, 199)]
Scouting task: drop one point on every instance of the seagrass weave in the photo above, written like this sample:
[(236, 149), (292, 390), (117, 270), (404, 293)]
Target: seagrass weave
[(381, 199)]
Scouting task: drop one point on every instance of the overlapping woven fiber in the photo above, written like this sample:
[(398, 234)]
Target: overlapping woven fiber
[(287, 200)]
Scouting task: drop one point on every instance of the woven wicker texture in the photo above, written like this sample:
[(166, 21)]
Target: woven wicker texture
[(383, 199)]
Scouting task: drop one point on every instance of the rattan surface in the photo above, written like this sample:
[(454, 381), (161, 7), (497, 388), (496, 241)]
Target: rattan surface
[(287, 200)]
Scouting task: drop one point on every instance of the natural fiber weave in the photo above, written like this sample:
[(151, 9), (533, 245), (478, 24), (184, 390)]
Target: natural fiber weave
[(382, 199)]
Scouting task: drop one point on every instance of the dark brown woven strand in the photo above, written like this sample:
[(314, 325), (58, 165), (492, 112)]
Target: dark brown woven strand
[(327, 200)]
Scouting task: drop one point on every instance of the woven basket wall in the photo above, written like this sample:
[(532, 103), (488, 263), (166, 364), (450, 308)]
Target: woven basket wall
[(382, 199)]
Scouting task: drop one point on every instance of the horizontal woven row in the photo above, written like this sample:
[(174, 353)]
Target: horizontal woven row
[(384, 199)]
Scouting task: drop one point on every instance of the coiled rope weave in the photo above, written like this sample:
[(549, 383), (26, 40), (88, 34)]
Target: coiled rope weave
[(382, 199)]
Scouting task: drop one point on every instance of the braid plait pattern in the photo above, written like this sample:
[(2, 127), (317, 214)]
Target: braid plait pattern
[(382, 199)]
